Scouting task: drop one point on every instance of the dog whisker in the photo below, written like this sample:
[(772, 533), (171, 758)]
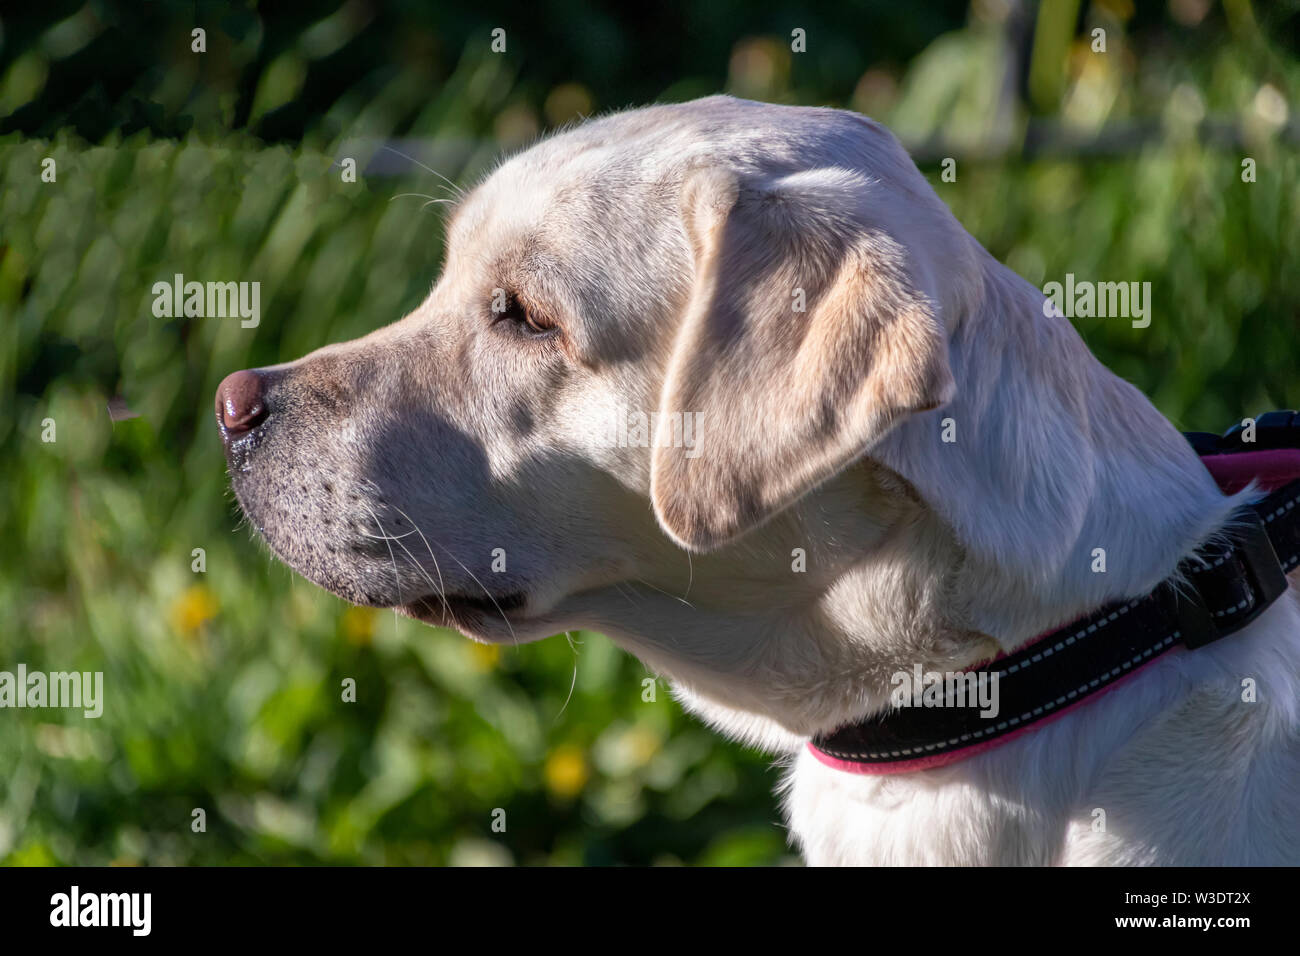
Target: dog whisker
[(683, 600), (419, 567), (441, 589), (622, 589), (486, 592), (456, 191), (432, 199), (386, 537), (397, 580), (568, 636)]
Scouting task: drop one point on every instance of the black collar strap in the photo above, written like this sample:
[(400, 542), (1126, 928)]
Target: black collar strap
[(1219, 590)]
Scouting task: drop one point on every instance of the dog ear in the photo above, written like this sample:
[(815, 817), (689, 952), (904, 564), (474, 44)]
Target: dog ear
[(804, 340)]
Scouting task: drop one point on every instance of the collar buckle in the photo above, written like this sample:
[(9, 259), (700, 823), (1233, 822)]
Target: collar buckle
[(1252, 552)]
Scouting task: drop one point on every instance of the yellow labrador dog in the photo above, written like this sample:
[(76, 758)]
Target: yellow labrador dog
[(739, 362)]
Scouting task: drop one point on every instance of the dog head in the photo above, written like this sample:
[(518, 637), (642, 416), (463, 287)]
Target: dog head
[(652, 332)]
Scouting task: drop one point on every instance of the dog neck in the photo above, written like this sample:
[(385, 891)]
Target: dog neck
[(1047, 488), (1062, 484)]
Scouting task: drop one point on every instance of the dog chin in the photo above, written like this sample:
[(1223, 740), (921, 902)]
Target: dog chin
[(490, 619)]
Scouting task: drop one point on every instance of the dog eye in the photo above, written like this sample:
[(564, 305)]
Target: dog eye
[(527, 319)]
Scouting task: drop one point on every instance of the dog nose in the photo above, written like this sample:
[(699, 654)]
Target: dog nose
[(241, 405)]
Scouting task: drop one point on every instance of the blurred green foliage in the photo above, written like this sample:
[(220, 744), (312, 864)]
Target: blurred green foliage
[(223, 688)]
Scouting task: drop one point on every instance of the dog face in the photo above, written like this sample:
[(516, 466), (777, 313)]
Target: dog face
[(454, 465), (657, 331)]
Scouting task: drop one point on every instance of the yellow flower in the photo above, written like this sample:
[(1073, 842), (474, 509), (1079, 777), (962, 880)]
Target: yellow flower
[(358, 625), (193, 608), (566, 771), (484, 656), (642, 744)]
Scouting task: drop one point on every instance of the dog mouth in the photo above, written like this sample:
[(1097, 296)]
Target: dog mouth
[(452, 610)]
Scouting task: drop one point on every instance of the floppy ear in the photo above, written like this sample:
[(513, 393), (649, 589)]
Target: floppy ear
[(804, 340)]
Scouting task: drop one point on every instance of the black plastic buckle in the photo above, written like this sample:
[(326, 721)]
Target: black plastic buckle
[(1264, 575), (1267, 579), (1280, 429)]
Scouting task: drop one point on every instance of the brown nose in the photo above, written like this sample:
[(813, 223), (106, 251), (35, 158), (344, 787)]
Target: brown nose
[(241, 405)]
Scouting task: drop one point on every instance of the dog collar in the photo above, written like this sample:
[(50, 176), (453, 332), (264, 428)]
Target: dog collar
[(1215, 592)]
